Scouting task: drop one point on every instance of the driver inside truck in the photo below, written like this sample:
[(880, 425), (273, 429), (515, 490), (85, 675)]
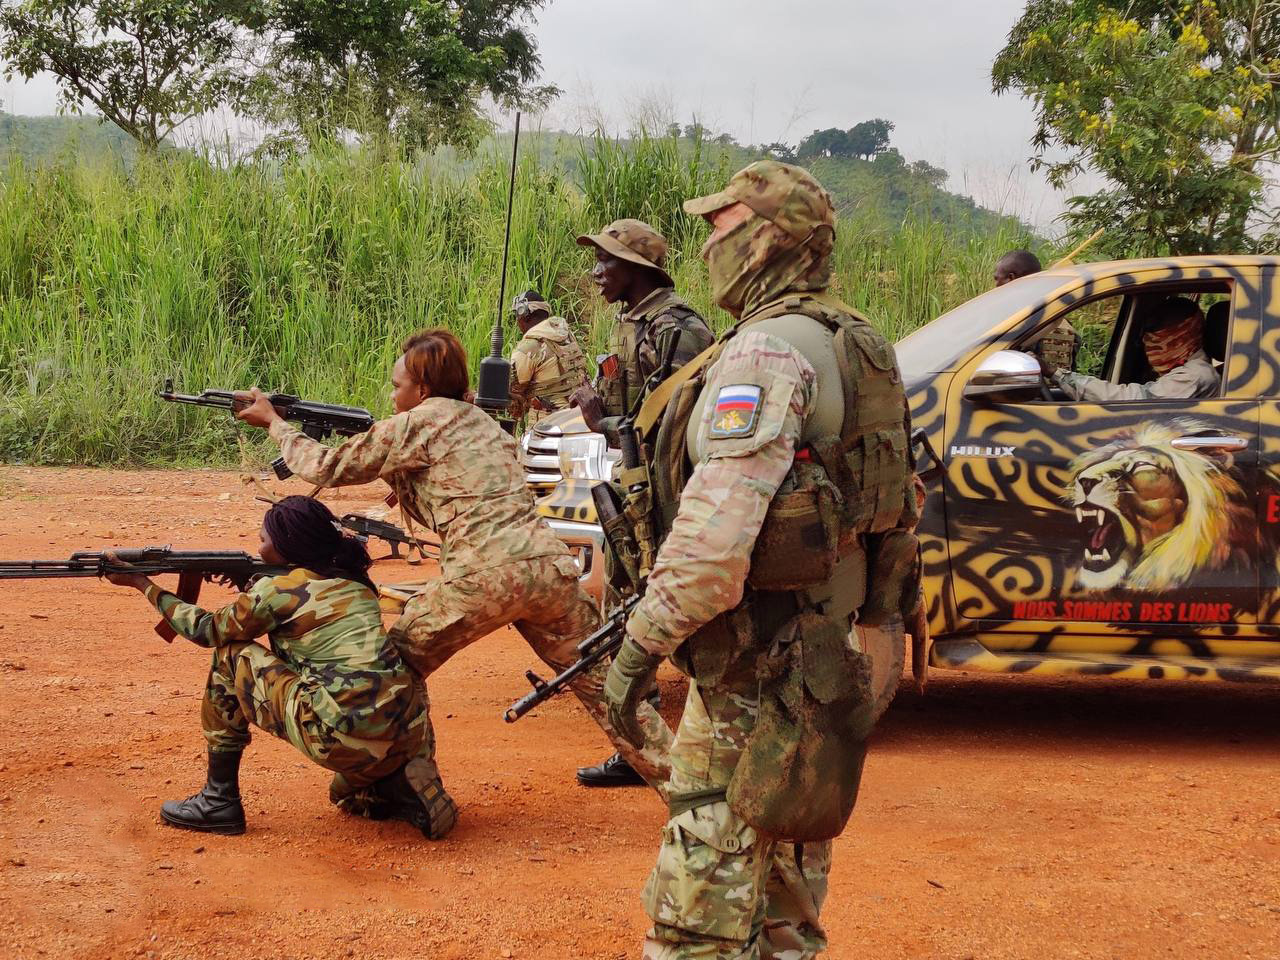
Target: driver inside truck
[(1173, 337)]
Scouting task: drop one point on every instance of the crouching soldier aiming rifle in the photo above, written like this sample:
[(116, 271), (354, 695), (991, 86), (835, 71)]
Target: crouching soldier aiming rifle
[(331, 683)]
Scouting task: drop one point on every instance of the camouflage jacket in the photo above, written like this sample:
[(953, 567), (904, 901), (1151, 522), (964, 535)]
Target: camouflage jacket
[(547, 365), (639, 338), (761, 392), (453, 470), (328, 630)]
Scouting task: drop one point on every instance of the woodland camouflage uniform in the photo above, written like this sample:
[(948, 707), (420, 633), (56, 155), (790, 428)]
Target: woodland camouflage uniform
[(332, 683), (454, 470), (769, 410), (639, 336), (546, 366)]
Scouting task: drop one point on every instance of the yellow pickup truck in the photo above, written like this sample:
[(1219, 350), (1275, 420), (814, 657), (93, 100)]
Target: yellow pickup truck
[(1133, 538)]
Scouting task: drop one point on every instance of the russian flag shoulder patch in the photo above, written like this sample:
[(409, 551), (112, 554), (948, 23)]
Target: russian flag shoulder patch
[(737, 411)]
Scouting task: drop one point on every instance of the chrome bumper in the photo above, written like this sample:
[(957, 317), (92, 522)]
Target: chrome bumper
[(586, 543)]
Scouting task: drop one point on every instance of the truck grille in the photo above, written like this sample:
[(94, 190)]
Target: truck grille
[(540, 459)]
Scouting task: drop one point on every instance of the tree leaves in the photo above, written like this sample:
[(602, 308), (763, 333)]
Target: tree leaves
[(1177, 104)]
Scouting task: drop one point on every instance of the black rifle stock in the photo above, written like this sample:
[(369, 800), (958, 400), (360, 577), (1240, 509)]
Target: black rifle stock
[(318, 421), (598, 647), (193, 567)]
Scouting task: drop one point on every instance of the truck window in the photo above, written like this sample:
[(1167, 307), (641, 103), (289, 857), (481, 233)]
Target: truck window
[(1108, 330)]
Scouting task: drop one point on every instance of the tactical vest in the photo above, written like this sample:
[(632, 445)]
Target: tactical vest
[(842, 493), (552, 384), (637, 358)]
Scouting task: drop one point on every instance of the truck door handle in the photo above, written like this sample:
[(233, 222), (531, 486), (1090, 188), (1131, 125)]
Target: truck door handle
[(1210, 443)]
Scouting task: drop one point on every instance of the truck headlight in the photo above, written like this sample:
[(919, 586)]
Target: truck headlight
[(584, 457)]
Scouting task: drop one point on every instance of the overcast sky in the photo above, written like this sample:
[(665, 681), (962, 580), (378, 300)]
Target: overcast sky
[(773, 70), (768, 71)]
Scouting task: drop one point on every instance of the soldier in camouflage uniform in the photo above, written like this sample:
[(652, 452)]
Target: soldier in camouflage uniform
[(331, 684), (802, 396), (630, 269), (454, 470), (547, 364)]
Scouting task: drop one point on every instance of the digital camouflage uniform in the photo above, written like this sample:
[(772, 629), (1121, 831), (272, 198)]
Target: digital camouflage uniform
[(332, 683), (720, 889), (639, 336), (546, 366), (454, 471)]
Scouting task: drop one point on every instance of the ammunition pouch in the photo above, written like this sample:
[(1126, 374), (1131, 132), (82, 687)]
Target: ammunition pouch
[(893, 576), (797, 545), (723, 651), (798, 776)]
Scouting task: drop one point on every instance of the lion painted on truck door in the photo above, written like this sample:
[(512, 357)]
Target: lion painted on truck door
[(1155, 518)]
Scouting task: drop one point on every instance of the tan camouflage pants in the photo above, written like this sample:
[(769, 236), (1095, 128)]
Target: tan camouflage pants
[(719, 891), (542, 599), (250, 684)]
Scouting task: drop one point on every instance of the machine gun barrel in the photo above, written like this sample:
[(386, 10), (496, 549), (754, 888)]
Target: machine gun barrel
[(316, 420), (600, 646)]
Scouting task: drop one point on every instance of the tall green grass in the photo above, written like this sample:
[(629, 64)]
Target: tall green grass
[(305, 277)]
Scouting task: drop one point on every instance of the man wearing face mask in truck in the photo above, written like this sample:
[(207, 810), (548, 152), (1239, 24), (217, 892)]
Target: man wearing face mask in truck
[(1173, 338)]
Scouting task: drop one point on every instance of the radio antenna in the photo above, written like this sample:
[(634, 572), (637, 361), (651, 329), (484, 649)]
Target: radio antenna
[(493, 393)]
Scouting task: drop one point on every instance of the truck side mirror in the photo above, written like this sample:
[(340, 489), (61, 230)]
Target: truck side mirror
[(1005, 375)]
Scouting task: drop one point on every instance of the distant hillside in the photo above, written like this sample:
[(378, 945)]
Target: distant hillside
[(40, 140), (884, 191)]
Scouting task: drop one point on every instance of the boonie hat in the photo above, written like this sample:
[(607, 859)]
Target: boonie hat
[(634, 241)]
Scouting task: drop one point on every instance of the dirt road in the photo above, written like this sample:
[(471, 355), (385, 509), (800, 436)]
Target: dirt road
[(999, 817)]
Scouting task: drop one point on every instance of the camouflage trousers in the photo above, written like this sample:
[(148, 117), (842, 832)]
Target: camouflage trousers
[(250, 684), (719, 891), (543, 600)]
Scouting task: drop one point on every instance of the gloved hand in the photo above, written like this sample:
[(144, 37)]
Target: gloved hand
[(625, 687)]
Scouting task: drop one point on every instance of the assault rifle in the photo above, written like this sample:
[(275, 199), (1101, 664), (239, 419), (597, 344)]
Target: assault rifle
[(233, 567), (365, 527), (317, 420), (598, 647)]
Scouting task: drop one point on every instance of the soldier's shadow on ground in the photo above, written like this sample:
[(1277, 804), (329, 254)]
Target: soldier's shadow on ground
[(1026, 712)]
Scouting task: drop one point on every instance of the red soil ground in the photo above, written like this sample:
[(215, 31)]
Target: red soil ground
[(999, 816)]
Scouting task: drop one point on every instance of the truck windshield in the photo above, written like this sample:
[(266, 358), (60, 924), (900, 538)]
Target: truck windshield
[(939, 345)]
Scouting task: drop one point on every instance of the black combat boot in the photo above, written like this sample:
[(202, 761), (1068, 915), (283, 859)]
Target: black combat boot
[(614, 772), (216, 808), (416, 795)]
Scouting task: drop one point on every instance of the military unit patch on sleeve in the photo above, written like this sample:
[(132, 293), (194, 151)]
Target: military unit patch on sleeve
[(737, 411)]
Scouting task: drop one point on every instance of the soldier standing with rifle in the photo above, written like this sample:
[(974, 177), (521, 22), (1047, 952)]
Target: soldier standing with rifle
[(454, 470), (780, 474), (547, 364), (630, 269)]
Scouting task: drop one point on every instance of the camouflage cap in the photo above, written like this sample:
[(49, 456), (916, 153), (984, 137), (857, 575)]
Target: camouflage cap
[(634, 241), (785, 195)]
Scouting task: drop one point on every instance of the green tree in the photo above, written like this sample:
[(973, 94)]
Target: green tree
[(868, 138), (779, 150), (147, 65), (832, 142), (1175, 103), (414, 70)]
